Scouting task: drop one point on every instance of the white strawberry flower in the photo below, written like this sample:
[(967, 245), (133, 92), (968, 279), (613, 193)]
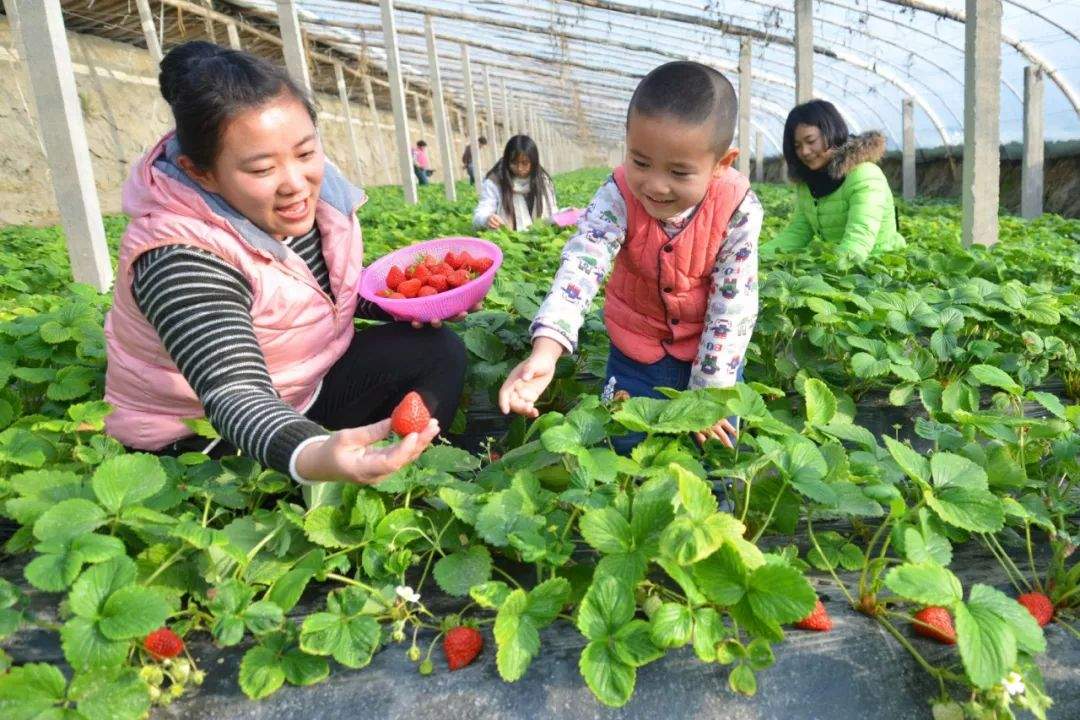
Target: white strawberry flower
[(1014, 684), (407, 594)]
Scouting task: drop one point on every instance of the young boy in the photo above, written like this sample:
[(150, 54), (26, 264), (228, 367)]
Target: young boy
[(680, 226)]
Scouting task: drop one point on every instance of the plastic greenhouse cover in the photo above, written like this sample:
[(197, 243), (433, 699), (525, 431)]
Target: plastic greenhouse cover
[(576, 63)]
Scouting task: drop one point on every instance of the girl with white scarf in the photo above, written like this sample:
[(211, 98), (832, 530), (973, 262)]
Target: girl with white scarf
[(517, 191)]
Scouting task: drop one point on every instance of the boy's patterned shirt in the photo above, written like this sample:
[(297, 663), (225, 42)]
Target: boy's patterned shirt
[(589, 256)]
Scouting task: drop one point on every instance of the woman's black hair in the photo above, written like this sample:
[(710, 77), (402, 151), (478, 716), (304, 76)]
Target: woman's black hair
[(421, 143), (206, 85), (823, 115), (503, 176)]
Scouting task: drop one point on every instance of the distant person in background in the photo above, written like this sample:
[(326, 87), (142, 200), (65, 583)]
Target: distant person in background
[(420, 163), (841, 194), (467, 158), (517, 190)]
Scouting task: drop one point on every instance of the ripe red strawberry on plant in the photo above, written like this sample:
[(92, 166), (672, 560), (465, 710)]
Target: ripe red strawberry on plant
[(410, 416), (935, 623), (818, 619), (1039, 606), (461, 645), (163, 643)]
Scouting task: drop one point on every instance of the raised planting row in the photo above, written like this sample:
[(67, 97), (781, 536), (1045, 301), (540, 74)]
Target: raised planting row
[(548, 526)]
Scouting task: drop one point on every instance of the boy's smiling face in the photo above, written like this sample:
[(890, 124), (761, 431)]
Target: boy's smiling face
[(670, 163)]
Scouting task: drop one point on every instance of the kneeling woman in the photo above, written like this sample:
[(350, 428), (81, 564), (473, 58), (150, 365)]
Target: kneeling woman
[(236, 290), (842, 196), (517, 190)]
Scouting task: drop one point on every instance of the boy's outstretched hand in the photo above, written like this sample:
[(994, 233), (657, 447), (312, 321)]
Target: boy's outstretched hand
[(527, 382), (723, 431)]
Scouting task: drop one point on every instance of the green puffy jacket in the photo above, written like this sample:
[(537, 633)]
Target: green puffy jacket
[(859, 217)]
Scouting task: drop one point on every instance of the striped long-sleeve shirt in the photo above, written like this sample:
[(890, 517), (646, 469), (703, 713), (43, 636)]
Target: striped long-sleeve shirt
[(201, 308)]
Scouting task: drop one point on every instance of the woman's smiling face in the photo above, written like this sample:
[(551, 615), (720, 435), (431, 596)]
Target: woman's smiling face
[(811, 147), (670, 163), (269, 167)]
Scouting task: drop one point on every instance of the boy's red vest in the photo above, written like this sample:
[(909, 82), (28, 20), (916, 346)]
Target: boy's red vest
[(659, 290)]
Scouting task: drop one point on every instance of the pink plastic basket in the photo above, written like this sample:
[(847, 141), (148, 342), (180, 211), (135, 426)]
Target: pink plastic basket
[(433, 307), (567, 217)]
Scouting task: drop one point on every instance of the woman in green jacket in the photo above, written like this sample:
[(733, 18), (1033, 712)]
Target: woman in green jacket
[(841, 195)]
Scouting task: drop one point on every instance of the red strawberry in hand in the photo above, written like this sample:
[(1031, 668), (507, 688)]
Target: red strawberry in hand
[(452, 260), (427, 291), (163, 643), (1039, 606), (410, 288), (410, 416), (482, 265), (461, 646), (818, 619), (395, 277), (458, 278), (935, 623), (439, 282)]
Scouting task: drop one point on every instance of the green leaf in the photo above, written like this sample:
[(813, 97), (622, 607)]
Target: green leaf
[(331, 527), (85, 648), (608, 605), (606, 530), (994, 377), (633, 645), (611, 680), (71, 382), (759, 654), (458, 572), (708, 632), (519, 620), (672, 625), (722, 577), (925, 584), (261, 672), (351, 640), (53, 572), (111, 695), (30, 691), (490, 595), (912, 463), (563, 438), (820, 402), (1029, 636), (742, 680), (132, 612), (974, 510), (68, 519), (484, 344), (688, 541), (123, 481), (951, 470), (779, 594), (926, 546), (303, 669), (1050, 402), (987, 646), (96, 585), (263, 617)]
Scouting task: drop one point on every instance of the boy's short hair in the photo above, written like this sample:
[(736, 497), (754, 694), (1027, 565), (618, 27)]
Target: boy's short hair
[(690, 92)]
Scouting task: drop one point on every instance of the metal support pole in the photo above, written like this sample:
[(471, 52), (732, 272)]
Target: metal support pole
[(292, 44), (505, 112), (397, 102), (908, 163), (234, 36), (439, 116), (982, 91), (48, 60), (1032, 168), (804, 51), (419, 112), (354, 147), (470, 111), (384, 155), (146, 20), (759, 157), (744, 106)]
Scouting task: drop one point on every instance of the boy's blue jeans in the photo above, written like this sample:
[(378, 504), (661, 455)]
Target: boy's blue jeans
[(642, 379)]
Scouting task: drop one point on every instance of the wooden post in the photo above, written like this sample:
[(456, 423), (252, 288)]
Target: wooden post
[(1032, 167), (48, 60), (208, 21), (505, 111), (384, 156), (470, 112), (804, 51), (234, 36), (908, 155), (759, 157), (493, 133), (397, 101), (146, 20), (292, 44), (982, 104), (419, 112), (744, 106), (439, 117), (354, 147)]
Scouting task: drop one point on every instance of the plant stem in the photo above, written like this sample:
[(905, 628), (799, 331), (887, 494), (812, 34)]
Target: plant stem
[(164, 566), (772, 510), (1009, 560), (828, 565), (1031, 556), (351, 581)]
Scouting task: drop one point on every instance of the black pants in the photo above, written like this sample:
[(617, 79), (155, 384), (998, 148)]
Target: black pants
[(381, 365)]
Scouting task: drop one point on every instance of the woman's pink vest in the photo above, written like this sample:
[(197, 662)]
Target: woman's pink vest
[(659, 290), (301, 330)]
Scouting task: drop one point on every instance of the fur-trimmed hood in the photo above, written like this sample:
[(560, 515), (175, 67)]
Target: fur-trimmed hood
[(867, 147)]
